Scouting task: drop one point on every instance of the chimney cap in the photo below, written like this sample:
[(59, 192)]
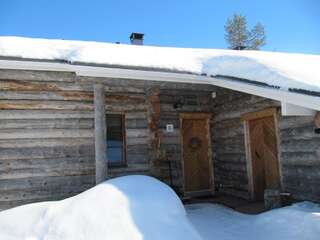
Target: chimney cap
[(136, 35)]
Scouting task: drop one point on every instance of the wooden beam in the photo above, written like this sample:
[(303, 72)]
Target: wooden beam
[(317, 120), (259, 114), (100, 133)]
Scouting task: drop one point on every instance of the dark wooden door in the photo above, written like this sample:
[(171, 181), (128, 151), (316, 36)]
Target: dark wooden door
[(264, 155), (196, 152)]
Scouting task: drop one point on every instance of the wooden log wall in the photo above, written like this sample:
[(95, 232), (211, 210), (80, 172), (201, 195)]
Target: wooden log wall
[(299, 147), (47, 134), (47, 131), (47, 142), (300, 158)]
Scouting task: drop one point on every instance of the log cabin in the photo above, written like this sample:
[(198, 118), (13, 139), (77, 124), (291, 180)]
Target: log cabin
[(73, 114)]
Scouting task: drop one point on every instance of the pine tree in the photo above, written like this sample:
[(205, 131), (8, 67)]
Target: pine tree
[(236, 32), (239, 37), (257, 37)]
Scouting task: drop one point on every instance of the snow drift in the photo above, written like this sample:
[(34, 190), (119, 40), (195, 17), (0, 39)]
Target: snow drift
[(284, 70), (125, 208), (300, 221)]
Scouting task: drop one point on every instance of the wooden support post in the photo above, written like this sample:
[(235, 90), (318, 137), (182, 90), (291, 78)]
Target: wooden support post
[(100, 133)]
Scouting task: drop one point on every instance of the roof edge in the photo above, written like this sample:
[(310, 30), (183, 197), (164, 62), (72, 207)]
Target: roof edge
[(299, 99)]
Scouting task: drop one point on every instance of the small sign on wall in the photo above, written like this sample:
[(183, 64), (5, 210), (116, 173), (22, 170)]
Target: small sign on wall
[(169, 128)]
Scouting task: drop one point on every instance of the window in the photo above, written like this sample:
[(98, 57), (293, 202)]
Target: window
[(115, 140)]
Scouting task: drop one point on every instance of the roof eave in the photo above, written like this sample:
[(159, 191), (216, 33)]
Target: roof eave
[(303, 100)]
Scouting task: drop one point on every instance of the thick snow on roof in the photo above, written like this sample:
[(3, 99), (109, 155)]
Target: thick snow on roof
[(284, 70), (125, 208)]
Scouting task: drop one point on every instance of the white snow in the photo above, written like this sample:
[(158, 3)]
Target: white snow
[(300, 221), (285, 70), (125, 208), (143, 208)]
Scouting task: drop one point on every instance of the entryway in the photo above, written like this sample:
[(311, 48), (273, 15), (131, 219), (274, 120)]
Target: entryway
[(196, 154), (262, 151)]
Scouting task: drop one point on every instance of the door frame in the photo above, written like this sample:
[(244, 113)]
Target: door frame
[(268, 112), (198, 116)]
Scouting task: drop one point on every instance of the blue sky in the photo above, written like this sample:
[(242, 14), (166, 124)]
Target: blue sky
[(291, 25)]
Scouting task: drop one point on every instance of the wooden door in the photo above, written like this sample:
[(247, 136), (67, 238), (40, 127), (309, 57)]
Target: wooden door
[(264, 155), (196, 153)]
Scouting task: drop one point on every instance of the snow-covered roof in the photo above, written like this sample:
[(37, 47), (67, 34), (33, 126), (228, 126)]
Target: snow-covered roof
[(286, 71)]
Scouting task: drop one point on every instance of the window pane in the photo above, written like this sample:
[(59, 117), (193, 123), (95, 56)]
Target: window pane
[(115, 155), (115, 139)]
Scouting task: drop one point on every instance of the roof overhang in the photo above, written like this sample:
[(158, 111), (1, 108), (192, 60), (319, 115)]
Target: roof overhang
[(307, 104)]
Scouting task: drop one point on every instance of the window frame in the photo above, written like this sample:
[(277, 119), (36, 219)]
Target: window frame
[(124, 162)]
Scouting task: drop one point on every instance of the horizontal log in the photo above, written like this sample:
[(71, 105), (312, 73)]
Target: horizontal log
[(235, 177), (302, 173), (229, 123), (136, 123), (222, 158), (57, 95), (136, 149), (300, 133), (72, 123), (66, 105), (231, 167), (235, 148), (20, 189), (44, 114), (228, 132), (45, 133), (293, 122), (175, 133), (44, 105), (19, 85), (138, 133), (225, 140), (56, 85), (185, 108), (49, 167), (40, 183), (244, 102), (300, 159), (137, 141), (138, 157), (136, 115), (224, 115), (51, 142), (300, 145), (30, 75), (46, 152), (171, 140), (164, 121)]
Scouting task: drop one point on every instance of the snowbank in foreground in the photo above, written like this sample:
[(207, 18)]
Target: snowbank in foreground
[(285, 70), (300, 221), (125, 208)]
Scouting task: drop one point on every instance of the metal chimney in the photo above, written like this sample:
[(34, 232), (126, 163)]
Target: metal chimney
[(136, 38)]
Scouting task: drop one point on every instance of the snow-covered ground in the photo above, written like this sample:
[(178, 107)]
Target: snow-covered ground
[(125, 208), (285, 70), (143, 208), (300, 221)]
